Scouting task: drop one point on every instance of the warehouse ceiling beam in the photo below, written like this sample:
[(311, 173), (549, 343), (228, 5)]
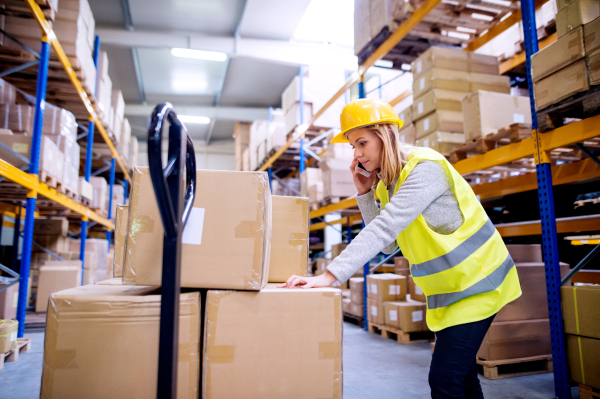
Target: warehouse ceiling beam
[(242, 114)]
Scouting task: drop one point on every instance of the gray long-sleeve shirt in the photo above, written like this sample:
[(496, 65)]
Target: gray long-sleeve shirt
[(427, 190)]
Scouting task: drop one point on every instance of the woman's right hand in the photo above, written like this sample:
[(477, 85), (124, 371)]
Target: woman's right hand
[(363, 184)]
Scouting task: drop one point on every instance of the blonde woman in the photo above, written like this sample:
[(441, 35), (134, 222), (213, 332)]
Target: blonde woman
[(427, 209)]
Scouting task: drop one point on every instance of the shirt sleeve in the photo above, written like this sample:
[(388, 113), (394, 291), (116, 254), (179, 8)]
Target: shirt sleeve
[(369, 211), (424, 184)]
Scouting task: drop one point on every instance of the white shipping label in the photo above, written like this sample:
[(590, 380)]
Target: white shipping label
[(373, 288), (419, 67), (417, 316), (418, 290), (420, 107), (518, 118), (422, 84), (426, 124), (13, 337), (393, 315), (192, 233), (21, 148), (394, 290), (373, 310)]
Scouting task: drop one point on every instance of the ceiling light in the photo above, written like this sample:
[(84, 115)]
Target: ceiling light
[(194, 119), (199, 54), (467, 30), (482, 17), (483, 33), (405, 67), (458, 35), (384, 63), (499, 2), (506, 16)]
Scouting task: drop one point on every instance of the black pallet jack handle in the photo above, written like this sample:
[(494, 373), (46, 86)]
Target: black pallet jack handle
[(174, 187)]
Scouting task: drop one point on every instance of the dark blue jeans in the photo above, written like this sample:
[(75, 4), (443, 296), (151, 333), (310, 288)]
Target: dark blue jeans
[(453, 372)]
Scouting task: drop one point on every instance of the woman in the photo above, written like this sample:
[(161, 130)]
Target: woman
[(456, 255)]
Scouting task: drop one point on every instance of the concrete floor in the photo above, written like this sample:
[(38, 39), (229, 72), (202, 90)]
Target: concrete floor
[(374, 367)]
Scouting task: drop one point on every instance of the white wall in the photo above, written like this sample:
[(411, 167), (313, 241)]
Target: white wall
[(219, 155)]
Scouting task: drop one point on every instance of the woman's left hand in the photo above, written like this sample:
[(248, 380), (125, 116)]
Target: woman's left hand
[(324, 280)]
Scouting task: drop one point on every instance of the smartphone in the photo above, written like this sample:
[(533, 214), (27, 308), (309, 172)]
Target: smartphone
[(361, 169)]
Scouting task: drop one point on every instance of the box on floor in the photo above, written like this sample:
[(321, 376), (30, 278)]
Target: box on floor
[(583, 359), (386, 287), (107, 346), (221, 224), (56, 276), (408, 316), (515, 339), (581, 312), (8, 335), (273, 321)]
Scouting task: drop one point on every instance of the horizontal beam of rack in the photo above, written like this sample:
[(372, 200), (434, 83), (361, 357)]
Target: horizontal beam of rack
[(354, 219), (343, 204), (62, 57), (31, 182), (563, 225)]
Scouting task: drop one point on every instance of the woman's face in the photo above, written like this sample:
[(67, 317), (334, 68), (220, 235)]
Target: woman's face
[(367, 148)]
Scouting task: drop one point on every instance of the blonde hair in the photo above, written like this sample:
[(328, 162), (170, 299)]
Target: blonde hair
[(394, 154)]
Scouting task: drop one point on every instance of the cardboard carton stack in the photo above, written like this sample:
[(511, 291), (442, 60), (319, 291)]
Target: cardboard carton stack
[(408, 133), (103, 89), (133, 145), (522, 328), (96, 267), (335, 164), (321, 266), (382, 288), (569, 65), (8, 299), (100, 198), (356, 296), (8, 335), (121, 220), (263, 138), (442, 78)]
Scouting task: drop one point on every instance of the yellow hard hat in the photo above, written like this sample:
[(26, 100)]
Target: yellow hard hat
[(365, 112)]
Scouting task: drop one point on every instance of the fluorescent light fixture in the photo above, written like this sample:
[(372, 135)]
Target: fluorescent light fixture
[(198, 54), (458, 35), (506, 16), (204, 120), (466, 30), (483, 33), (189, 85), (499, 2), (384, 63), (482, 17), (405, 67)]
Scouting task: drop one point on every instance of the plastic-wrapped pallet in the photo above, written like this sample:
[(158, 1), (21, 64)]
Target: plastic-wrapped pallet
[(100, 187)]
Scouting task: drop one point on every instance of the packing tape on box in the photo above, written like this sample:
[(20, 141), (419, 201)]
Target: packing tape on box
[(577, 329)]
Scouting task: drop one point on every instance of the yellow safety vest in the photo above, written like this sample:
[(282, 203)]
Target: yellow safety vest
[(468, 275)]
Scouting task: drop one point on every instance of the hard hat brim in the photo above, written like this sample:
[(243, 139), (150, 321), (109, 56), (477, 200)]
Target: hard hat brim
[(341, 137)]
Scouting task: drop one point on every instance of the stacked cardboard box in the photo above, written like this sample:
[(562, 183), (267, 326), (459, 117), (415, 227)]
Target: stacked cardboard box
[(580, 320), (55, 276), (8, 335), (51, 158), (408, 132), (8, 299), (356, 296), (334, 164), (309, 178), (383, 288), (118, 105), (264, 137), (241, 133), (103, 88), (569, 65), (442, 78), (401, 266), (100, 187)]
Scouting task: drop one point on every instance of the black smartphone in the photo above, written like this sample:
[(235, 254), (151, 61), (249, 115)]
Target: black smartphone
[(362, 170)]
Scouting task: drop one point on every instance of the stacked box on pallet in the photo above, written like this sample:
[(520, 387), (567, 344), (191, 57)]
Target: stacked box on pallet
[(118, 105), (383, 288), (356, 296), (321, 266), (401, 266), (9, 297), (308, 178), (97, 268), (103, 88), (125, 147), (118, 198), (442, 78), (100, 187), (51, 158), (241, 132), (408, 133)]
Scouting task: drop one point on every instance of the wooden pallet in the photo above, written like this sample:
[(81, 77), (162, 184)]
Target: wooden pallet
[(23, 345), (71, 194), (499, 369), (51, 181), (354, 319), (401, 336), (579, 106), (586, 392)]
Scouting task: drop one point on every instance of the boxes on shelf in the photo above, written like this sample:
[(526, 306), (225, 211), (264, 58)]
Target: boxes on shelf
[(121, 220), (321, 266), (393, 86), (416, 293), (17, 117), (53, 226), (580, 310), (56, 244), (337, 182), (375, 311), (362, 24), (107, 346), (462, 81), (118, 105), (133, 160), (98, 247), (408, 134), (444, 121), (408, 316), (575, 14), (237, 223), (265, 334), (456, 60), (124, 146), (486, 112), (100, 187), (563, 52), (442, 142), (338, 151), (406, 116), (56, 276), (103, 87), (8, 335), (346, 305), (59, 122), (309, 177), (386, 287), (440, 100), (8, 92), (85, 189), (593, 61), (8, 300), (516, 339), (241, 131), (294, 119), (583, 358), (561, 84), (357, 309), (591, 33), (525, 253), (118, 198)]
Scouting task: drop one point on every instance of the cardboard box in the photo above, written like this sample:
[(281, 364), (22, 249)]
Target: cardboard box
[(357, 284), (515, 339), (593, 61), (321, 266), (226, 241), (121, 221), (525, 253), (457, 60), (445, 79), (273, 321), (486, 112), (86, 190), (294, 119), (375, 311), (56, 244), (17, 117), (346, 305), (289, 241), (442, 142), (533, 303), (416, 293), (401, 263), (357, 297), (8, 335), (440, 100), (337, 179), (337, 249), (309, 177), (53, 226), (406, 116), (591, 33), (575, 14), (8, 92), (100, 187), (562, 84), (357, 309), (98, 247), (583, 358), (445, 121), (56, 276), (408, 134), (408, 316), (9, 299), (563, 52), (116, 352), (51, 159), (362, 24), (581, 312), (386, 287), (560, 4)]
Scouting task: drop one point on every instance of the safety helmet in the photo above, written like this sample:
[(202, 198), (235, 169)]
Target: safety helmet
[(365, 112)]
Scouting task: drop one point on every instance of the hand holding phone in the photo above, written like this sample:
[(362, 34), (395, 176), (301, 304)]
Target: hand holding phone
[(361, 169)]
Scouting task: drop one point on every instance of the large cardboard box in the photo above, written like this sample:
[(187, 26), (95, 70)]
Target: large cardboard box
[(400, 265), (457, 60), (8, 301), (416, 293), (406, 116), (346, 305), (581, 313), (442, 142), (408, 316), (51, 159), (8, 335), (583, 358), (386, 287), (486, 112), (440, 100), (444, 121), (289, 241), (575, 14), (563, 52), (375, 311), (408, 134), (226, 242), (111, 332), (467, 82), (562, 84), (357, 297), (53, 226), (56, 276), (591, 33), (525, 253), (337, 179), (593, 61), (515, 339), (246, 333), (121, 220), (533, 303)]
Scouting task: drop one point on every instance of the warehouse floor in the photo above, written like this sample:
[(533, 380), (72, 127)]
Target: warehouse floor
[(374, 367)]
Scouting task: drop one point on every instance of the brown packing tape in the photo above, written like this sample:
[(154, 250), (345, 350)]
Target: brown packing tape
[(222, 354)]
